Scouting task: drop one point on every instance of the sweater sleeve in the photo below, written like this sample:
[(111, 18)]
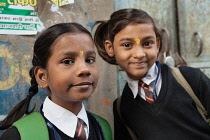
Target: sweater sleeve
[(10, 134), (200, 84), (120, 130)]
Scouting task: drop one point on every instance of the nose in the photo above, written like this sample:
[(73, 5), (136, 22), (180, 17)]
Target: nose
[(138, 52), (83, 69)]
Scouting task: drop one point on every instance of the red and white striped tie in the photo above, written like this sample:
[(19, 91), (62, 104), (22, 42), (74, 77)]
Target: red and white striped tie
[(148, 92), (80, 131)]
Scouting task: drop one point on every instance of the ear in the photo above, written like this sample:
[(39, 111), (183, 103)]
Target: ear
[(109, 48), (41, 77)]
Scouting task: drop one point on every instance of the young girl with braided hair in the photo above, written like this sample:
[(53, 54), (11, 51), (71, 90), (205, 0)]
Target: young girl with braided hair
[(64, 64), (154, 106)]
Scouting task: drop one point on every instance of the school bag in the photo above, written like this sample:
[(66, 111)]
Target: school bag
[(33, 127), (180, 79)]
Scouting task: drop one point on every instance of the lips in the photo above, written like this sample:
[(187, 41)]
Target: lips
[(140, 62), (136, 62), (83, 84)]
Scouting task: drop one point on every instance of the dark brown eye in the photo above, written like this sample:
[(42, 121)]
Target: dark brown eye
[(90, 60), (67, 61), (148, 43), (127, 45)]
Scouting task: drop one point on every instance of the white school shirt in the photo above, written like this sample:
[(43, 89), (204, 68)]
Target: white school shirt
[(149, 79), (63, 119)]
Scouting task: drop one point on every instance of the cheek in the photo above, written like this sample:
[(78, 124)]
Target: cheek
[(95, 79), (95, 73), (122, 56), (96, 76), (153, 53)]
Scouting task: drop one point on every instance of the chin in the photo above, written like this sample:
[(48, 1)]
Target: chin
[(137, 76), (85, 97)]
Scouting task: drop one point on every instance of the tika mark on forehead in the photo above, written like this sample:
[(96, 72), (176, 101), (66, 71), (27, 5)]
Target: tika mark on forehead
[(81, 53), (137, 40)]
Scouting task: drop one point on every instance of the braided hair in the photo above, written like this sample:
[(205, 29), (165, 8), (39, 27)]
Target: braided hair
[(41, 54)]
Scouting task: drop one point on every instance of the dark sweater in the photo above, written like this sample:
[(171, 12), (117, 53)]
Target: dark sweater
[(95, 132), (173, 116)]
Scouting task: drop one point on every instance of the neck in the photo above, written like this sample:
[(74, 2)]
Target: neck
[(73, 106)]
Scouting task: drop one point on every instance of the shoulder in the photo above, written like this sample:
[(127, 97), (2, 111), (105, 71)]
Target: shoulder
[(32, 125), (182, 68), (97, 118), (198, 81), (10, 134), (186, 69), (191, 73), (101, 125), (25, 125)]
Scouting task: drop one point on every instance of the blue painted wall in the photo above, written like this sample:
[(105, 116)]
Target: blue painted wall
[(14, 81)]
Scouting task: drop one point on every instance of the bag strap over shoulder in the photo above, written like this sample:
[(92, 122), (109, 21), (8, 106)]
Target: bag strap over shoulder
[(105, 127), (118, 111), (32, 127), (180, 78)]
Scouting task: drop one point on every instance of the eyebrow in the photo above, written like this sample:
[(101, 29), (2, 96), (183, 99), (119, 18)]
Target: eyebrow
[(131, 39), (90, 52), (125, 39), (149, 37), (69, 53)]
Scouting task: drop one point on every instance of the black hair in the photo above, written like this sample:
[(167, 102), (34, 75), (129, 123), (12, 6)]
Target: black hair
[(41, 54), (107, 30)]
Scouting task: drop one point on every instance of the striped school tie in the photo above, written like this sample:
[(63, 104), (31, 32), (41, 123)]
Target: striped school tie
[(80, 131), (148, 92)]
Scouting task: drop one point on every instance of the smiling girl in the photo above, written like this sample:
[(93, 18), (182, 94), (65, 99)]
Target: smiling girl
[(154, 106), (64, 64)]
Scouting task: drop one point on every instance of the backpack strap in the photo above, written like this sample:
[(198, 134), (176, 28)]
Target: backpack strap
[(32, 127), (180, 78), (105, 127), (133, 136)]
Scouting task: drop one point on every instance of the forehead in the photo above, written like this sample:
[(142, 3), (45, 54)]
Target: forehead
[(136, 30), (73, 42)]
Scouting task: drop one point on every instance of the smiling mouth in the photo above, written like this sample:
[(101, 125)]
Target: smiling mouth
[(82, 84), (138, 63)]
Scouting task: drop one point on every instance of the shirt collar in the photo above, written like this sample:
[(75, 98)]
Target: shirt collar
[(151, 75), (148, 79), (63, 119)]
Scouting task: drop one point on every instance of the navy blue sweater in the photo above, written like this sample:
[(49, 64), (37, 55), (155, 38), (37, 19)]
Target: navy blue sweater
[(173, 116)]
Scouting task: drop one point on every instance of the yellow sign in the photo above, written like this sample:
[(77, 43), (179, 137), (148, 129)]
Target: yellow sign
[(22, 2)]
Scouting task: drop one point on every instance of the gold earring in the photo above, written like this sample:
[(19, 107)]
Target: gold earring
[(41, 87)]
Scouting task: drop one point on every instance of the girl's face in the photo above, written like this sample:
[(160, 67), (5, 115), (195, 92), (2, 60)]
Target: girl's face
[(135, 49), (72, 73)]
